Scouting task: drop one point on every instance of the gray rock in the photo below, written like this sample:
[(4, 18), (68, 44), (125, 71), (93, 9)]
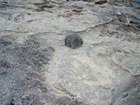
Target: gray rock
[(37, 68), (22, 79), (73, 41)]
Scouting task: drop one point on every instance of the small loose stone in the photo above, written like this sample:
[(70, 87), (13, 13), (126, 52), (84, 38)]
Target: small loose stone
[(73, 41)]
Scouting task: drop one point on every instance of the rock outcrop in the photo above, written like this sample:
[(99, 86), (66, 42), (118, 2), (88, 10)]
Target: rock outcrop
[(36, 68)]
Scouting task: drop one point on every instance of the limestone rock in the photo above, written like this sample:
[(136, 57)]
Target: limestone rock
[(36, 68)]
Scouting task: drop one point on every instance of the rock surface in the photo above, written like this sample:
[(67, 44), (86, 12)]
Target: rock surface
[(36, 68)]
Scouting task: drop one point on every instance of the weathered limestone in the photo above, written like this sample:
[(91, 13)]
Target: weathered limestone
[(36, 68)]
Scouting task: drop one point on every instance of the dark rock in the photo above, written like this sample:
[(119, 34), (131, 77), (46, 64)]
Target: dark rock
[(73, 41), (101, 2)]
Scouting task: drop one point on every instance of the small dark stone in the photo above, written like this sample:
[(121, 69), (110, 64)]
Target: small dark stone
[(73, 41), (101, 2)]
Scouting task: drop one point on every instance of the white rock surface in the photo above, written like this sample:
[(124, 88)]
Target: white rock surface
[(105, 70)]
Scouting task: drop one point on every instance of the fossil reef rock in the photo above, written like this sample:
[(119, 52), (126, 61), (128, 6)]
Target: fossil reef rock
[(59, 52)]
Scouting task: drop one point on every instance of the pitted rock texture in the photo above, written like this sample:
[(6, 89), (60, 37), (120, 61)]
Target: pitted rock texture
[(36, 68), (21, 76)]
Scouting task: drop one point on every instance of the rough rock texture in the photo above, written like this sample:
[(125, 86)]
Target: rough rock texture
[(21, 75), (36, 68)]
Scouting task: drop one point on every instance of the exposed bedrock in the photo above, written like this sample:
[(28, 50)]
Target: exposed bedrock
[(54, 52)]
